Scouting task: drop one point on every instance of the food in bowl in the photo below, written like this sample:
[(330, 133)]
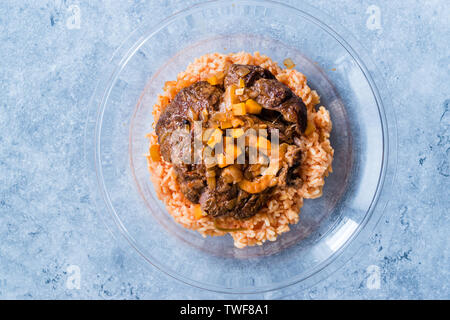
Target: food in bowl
[(238, 144)]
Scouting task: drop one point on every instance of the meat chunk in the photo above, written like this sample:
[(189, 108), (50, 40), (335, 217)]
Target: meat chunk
[(276, 96), (229, 200), (248, 73), (179, 114), (282, 111), (192, 180)]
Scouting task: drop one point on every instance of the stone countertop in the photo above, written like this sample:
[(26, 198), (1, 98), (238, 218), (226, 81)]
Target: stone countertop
[(51, 53)]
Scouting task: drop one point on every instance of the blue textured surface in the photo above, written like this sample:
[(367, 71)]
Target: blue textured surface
[(47, 217)]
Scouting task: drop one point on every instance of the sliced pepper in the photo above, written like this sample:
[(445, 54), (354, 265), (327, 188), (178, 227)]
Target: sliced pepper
[(238, 109), (258, 185), (216, 79), (236, 122), (263, 144), (230, 96), (310, 127), (198, 212), (252, 106), (218, 227), (216, 137), (236, 133), (222, 160), (289, 63), (155, 154), (225, 124)]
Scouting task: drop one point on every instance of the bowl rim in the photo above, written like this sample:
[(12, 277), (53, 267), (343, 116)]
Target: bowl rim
[(337, 259)]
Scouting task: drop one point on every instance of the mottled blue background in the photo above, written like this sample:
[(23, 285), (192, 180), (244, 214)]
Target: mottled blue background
[(48, 219)]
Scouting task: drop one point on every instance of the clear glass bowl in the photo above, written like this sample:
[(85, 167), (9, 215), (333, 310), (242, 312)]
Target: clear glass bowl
[(331, 228)]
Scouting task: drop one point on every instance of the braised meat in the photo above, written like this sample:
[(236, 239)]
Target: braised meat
[(248, 73), (183, 111), (273, 95), (247, 97)]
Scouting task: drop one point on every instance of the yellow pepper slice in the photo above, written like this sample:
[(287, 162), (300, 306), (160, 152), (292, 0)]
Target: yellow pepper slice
[(230, 96), (215, 138), (252, 106), (155, 154), (263, 144), (289, 63), (258, 185), (310, 127), (198, 212), (220, 228), (225, 124), (238, 109), (216, 79), (236, 122), (236, 133)]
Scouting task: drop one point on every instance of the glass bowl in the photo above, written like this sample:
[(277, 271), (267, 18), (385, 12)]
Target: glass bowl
[(331, 228)]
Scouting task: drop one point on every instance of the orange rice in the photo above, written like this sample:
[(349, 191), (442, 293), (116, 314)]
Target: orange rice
[(283, 208)]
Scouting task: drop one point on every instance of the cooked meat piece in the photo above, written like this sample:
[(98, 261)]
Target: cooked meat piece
[(192, 180), (229, 200), (271, 93), (220, 201), (274, 95), (290, 170), (187, 104), (248, 73), (282, 111), (286, 130), (250, 204)]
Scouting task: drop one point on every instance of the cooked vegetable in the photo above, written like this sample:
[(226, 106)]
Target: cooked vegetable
[(198, 212), (207, 134), (219, 116), (155, 154), (243, 71), (310, 127), (239, 92), (258, 185), (205, 114), (289, 63), (236, 122), (268, 178), (241, 83), (252, 106), (263, 144), (222, 160), (211, 181), (230, 97), (192, 114), (238, 109), (225, 124), (210, 173), (232, 152), (216, 79), (216, 225), (236, 133), (209, 160), (232, 174), (216, 137)]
